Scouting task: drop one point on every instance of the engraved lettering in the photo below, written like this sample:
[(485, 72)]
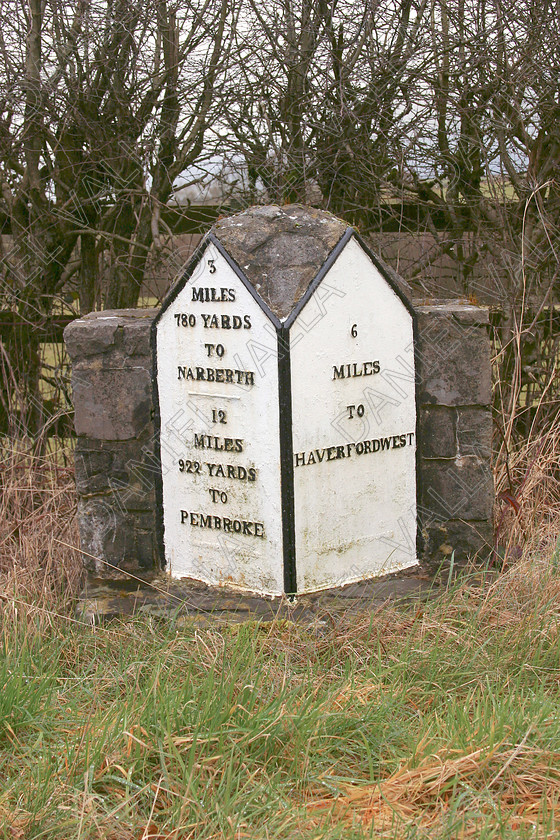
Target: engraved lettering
[(209, 294), (224, 375), (363, 447), (212, 321), (354, 369), (217, 443)]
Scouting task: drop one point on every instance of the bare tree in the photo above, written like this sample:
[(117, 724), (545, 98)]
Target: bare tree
[(437, 116), (104, 104)]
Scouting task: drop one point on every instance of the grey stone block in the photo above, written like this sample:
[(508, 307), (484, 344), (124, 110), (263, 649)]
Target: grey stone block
[(437, 434), (116, 541), (293, 240), (454, 360), (124, 331), (127, 467), (106, 536), (136, 336), (463, 313), (463, 540), (474, 432), (85, 338), (112, 404), (458, 489), (93, 469), (146, 553)]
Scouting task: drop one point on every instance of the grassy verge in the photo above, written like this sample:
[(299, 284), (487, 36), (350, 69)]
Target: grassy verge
[(441, 721), (436, 720)]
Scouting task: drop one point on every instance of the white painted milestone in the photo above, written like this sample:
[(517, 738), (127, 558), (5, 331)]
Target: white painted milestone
[(294, 472), (354, 428), (219, 432)]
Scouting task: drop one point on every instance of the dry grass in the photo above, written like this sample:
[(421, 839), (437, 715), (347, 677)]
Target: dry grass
[(438, 721), (37, 508), (519, 784), (527, 466)]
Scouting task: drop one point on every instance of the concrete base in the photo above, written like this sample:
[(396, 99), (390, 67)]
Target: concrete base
[(193, 602)]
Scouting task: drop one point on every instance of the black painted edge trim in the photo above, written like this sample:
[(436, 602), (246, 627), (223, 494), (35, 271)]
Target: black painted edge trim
[(417, 384), (182, 281), (349, 233), (211, 238), (386, 275), (287, 491)]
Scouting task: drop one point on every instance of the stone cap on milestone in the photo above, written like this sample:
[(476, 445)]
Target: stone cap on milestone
[(281, 249)]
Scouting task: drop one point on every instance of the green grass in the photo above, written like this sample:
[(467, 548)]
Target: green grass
[(149, 728)]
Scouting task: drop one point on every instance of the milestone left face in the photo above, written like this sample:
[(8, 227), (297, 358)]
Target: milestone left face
[(217, 382)]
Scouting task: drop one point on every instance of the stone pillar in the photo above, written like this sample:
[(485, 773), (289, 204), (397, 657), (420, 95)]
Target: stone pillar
[(455, 432), (112, 387)]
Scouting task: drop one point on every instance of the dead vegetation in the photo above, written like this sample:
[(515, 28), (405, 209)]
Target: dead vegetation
[(37, 508)]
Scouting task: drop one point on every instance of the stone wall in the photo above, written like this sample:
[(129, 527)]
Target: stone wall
[(455, 432), (112, 387), (115, 465)]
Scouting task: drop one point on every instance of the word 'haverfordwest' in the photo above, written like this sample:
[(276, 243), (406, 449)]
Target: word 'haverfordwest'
[(363, 447)]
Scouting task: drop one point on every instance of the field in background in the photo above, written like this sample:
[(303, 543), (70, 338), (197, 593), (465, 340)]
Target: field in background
[(434, 720)]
